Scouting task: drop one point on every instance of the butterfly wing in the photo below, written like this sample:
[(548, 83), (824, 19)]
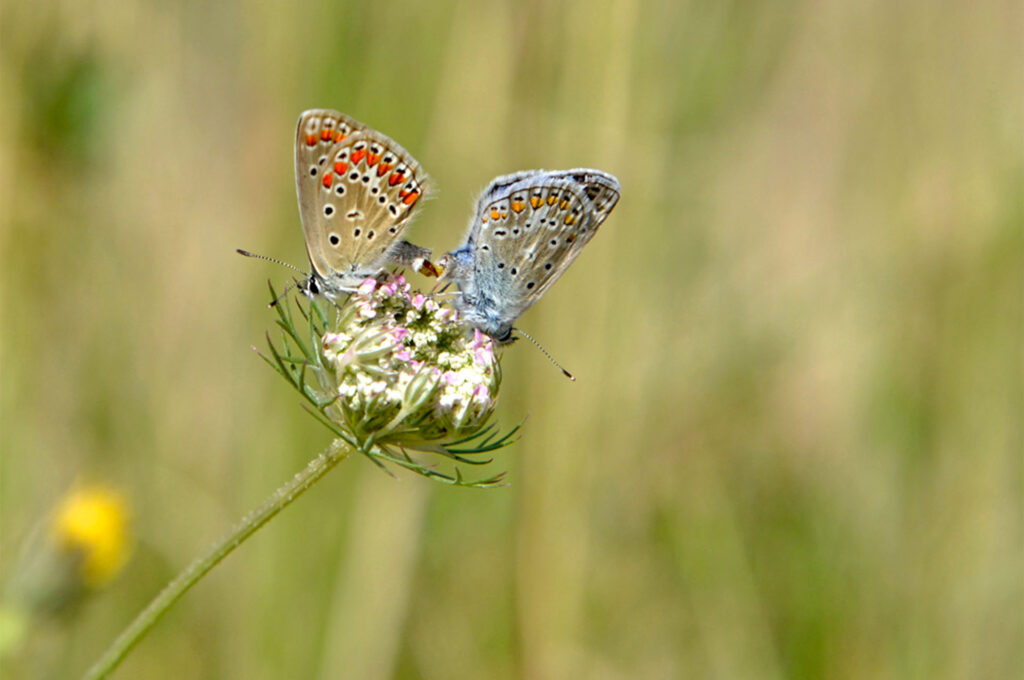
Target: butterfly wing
[(357, 190), (527, 230)]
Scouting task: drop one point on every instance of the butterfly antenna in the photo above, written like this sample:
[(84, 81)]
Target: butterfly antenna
[(287, 288), (567, 374), (270, 259)]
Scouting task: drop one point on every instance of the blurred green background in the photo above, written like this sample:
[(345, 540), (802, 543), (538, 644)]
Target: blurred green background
[(794, 449)]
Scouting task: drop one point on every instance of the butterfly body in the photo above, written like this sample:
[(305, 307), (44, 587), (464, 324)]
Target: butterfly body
[(527, 229), (357, 190)]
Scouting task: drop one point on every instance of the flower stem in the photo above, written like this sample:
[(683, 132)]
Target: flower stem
[(299, 484)]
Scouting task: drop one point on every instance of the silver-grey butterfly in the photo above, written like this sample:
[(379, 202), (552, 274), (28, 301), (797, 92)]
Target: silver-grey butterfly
[(357, 189), (527, 230)]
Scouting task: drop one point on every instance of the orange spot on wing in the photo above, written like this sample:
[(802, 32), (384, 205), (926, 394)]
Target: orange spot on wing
[(551, 199), (358, 156), (325, 134), (570, 220), (383, 168), (518, 206), (328, 180), (339, 135), (340, 167), (395, 178), (536, 201), (495, 214), (371, 159), (310, 140), (411, 198), (564, 204)]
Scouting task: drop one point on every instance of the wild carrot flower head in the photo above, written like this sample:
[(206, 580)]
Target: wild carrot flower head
[(403, 371), (394, 372)]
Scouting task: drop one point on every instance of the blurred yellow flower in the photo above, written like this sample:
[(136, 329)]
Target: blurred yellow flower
[(93, 522)]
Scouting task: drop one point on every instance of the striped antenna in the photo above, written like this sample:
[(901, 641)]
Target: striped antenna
[(287, 288), (567, 374)]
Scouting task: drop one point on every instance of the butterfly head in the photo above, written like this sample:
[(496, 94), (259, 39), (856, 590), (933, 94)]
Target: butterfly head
[(478, 316), (334, 285), (311, 287)]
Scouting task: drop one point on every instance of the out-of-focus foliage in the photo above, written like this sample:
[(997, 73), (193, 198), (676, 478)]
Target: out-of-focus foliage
[(794, 446)]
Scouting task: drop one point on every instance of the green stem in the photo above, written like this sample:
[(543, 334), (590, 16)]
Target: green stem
[(299, 484)]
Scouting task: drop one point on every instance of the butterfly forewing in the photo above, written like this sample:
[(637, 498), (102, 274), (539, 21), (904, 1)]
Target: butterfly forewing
[(601, 189), (357, 189)]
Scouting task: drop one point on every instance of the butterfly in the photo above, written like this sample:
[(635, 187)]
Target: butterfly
[(528, 228), (357, 191)]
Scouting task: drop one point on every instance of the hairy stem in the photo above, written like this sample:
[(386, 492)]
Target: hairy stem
[(299, 484)]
